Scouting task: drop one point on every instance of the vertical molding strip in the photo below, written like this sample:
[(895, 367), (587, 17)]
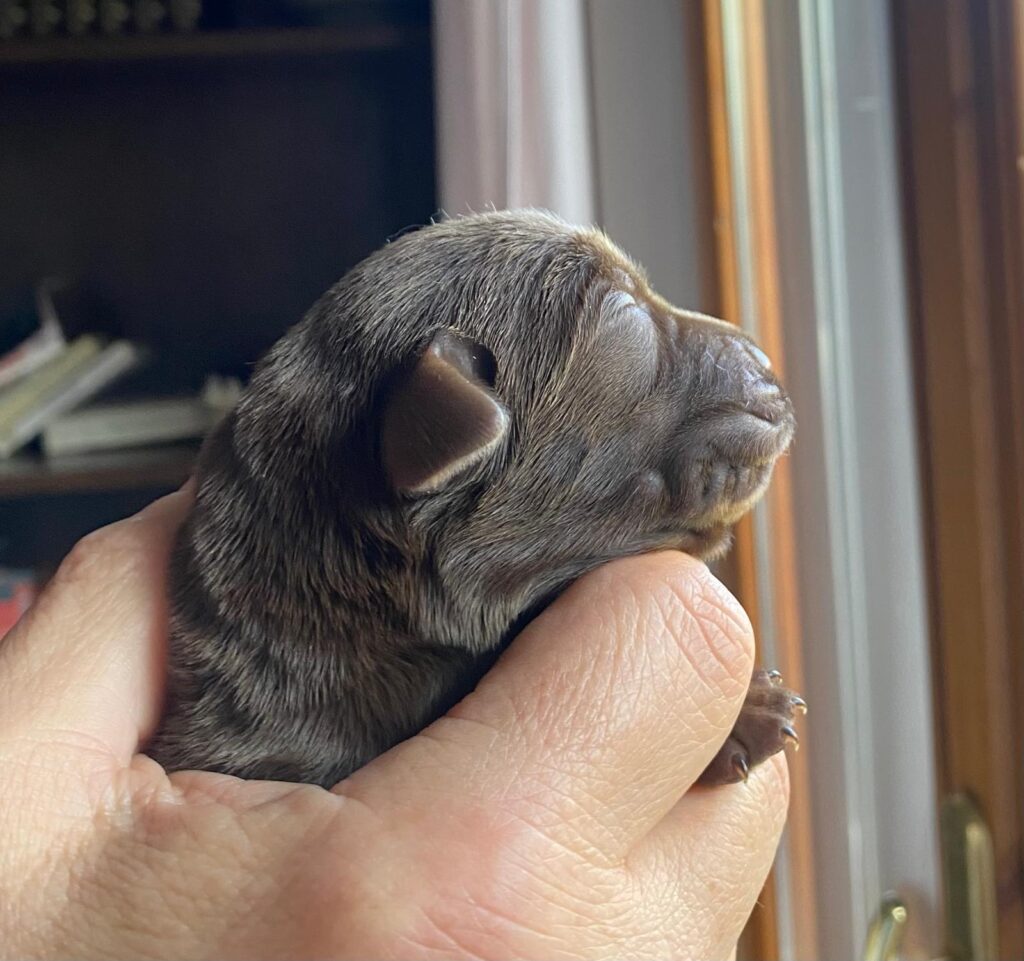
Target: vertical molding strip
[(768, 543)]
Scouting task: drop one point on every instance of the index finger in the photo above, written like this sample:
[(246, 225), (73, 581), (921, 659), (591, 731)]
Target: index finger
[(86, 663), (606, 709)]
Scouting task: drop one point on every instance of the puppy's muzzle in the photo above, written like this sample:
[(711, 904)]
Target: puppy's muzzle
[(758, 393), (747, 424)]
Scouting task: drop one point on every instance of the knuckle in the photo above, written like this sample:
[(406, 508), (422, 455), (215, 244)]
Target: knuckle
[(675, 597), (711, 628), (89, 578), (755, 822), (537, 887), (772, 785), (98, 555)]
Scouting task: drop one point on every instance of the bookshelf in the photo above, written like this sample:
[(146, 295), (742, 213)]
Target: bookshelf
[(206, 188), (31, 475), (215, 44)]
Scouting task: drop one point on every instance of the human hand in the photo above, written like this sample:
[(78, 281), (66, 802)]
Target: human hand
[(548, 815)]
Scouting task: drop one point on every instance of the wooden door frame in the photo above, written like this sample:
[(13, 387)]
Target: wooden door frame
[(763, 597), (960, 86)]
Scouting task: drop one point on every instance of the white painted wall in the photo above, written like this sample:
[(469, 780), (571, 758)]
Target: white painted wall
[(646, 186), (579, 106)]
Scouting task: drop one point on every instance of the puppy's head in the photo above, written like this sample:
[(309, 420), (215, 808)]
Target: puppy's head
[(499, 403)]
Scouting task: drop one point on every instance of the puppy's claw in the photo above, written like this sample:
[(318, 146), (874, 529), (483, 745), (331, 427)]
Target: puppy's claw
[(764, 727)]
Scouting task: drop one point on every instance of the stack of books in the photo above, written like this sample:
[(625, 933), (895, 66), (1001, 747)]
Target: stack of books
[(46, 382), (18, 589), (141, 421)]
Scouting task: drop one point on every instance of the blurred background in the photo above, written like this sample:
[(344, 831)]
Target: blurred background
[(181, 179)]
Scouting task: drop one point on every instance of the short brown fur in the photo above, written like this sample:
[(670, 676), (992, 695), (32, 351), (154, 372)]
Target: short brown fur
[(329, 600)]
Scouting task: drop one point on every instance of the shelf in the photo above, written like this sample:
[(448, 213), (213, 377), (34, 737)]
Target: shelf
[(29, 475), (299, 41)]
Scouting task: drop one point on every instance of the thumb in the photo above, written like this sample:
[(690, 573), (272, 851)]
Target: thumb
[(609, 705)]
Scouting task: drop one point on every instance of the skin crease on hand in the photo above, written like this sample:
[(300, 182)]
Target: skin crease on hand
[(547, 815)]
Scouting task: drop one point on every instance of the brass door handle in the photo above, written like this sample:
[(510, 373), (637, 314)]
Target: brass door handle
[(968, 865), (885, 935)]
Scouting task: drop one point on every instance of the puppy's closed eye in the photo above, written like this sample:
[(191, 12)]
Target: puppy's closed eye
[(625, 346)]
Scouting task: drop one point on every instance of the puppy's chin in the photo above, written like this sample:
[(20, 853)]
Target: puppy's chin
[(710, 536), (729, 512), (708, 543)]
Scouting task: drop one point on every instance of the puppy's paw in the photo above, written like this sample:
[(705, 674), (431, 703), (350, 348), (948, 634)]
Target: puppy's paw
[(764, 727)]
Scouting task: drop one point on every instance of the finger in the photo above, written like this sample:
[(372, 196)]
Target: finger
[(85, 666), (606, 708), (724, 836)]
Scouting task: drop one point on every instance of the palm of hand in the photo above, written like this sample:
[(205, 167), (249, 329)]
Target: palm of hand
[(547, 816)]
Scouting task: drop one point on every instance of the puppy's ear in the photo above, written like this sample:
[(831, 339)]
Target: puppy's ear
[(442, 416)]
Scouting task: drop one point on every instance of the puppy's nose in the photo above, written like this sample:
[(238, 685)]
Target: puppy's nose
[(755, 386), (712, 328), (738, 353), (740, 371)]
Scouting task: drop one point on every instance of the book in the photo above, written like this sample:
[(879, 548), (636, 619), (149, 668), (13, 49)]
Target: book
[(39, 345), (79, 372), (18, 590), (134, 423)]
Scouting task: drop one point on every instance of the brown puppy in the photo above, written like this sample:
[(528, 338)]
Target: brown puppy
[(469, 420)]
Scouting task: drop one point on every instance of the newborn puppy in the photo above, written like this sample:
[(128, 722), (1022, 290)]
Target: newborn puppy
[(468, 421)]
